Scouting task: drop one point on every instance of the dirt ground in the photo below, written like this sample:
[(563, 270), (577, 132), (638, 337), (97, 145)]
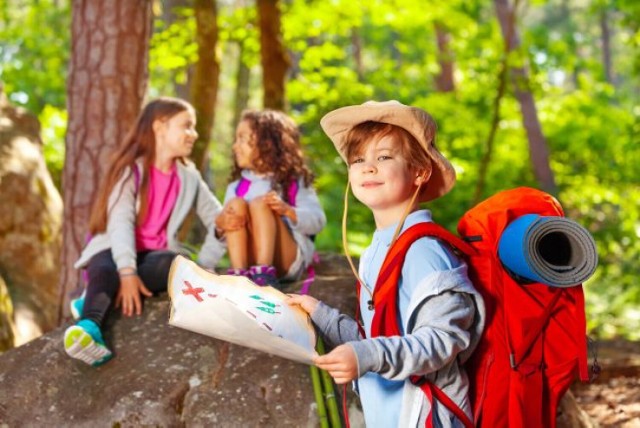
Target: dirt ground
[(613, 400)]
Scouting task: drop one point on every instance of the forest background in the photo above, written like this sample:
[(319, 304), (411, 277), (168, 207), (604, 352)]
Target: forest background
[(540, 93)]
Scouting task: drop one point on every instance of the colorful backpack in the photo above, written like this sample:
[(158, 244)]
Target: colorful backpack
[(534, 341)]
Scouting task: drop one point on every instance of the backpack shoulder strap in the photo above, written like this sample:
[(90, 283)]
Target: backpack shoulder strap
[(243, 187), (385, 295), (292, 192)]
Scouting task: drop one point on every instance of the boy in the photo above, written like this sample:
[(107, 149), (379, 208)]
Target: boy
[(393, 166)]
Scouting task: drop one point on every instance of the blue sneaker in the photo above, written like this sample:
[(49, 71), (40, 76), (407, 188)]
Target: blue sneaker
[(84, 342), (77, 305)]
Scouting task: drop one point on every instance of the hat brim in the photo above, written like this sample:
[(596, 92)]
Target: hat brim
[(338, 123)]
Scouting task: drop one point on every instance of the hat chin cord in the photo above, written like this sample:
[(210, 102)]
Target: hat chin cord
[(345, 243)]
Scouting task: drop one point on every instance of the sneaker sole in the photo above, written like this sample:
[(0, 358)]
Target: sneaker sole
[(80, 345)]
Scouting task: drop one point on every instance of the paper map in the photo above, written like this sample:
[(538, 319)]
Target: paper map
[(236, 310)]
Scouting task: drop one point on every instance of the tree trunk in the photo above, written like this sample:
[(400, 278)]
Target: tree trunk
[(485, 161), (605, 34), (356, 44), (275, 59), (444, 80), (204, 84), (537, 143), (108, 74), (243, 74)]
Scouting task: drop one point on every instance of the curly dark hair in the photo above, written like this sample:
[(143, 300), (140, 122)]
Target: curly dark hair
[(279, 150)]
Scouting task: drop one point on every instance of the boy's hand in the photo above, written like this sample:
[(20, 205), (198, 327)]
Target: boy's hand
[(307, 303), (341, 363), (131, 286)]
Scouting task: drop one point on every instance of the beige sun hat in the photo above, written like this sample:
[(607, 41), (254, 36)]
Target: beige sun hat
[(417, 122)]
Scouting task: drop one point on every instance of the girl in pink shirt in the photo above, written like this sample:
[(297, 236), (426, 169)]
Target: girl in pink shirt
[(149, 190)]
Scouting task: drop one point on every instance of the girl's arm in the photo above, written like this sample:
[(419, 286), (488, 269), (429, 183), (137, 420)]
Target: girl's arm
[(208, 208), (121, 221), (309, 213)]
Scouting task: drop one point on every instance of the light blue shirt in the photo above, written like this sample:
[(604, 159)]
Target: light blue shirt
[(382, 398)]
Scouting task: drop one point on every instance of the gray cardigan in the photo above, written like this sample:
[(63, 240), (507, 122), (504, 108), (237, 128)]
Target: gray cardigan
[(446, 317), (124, 205)]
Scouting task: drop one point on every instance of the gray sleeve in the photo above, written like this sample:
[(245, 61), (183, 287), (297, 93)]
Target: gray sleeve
[(311, 216), (441, 332), (335, 327), (121, 221), (208, 208)]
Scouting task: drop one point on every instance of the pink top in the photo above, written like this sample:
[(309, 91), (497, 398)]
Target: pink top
[(163, 193)]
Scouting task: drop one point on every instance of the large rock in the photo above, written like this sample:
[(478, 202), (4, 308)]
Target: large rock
[(30, 224), (165, 376)]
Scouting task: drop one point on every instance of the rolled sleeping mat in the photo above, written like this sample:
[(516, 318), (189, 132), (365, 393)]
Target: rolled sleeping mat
[(551, 250)]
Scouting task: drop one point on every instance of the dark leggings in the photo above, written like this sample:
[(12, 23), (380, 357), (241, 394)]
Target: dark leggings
[(104, 282)]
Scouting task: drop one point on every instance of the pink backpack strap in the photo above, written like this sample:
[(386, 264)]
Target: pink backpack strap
[(243, 187), (292, 192)]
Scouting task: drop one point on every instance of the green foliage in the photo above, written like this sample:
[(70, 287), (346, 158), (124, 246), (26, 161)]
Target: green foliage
[(53, 122), (172, 50), (34, 51), (348, 51)]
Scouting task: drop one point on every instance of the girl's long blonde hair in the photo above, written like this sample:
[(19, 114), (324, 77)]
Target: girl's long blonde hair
[(140, 142)]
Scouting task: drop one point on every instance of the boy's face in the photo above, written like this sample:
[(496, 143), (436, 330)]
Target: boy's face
[(382, 179)]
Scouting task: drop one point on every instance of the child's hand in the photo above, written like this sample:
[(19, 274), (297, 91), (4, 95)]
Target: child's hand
[(307, 303), (131, 286), (279, 206), (341, 363), (229, 221)]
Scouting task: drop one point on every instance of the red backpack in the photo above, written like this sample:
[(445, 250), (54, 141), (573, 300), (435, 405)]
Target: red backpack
[(534, 341)]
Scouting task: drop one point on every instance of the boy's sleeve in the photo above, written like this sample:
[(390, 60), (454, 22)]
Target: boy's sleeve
[(311, 216), (335, 327), (441, 332), (208, 208)]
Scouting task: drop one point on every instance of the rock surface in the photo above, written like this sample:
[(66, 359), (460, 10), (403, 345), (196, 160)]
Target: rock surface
[(165, 376)]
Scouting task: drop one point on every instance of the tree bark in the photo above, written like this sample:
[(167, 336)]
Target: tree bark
[(108, 74), (243, 74), (605, 34), (444, 80), (274, 57), (204, 83), (519, 76), (356, 44)]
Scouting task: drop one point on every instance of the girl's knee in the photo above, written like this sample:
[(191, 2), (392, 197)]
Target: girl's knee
[(258, 204), (238, 205)]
